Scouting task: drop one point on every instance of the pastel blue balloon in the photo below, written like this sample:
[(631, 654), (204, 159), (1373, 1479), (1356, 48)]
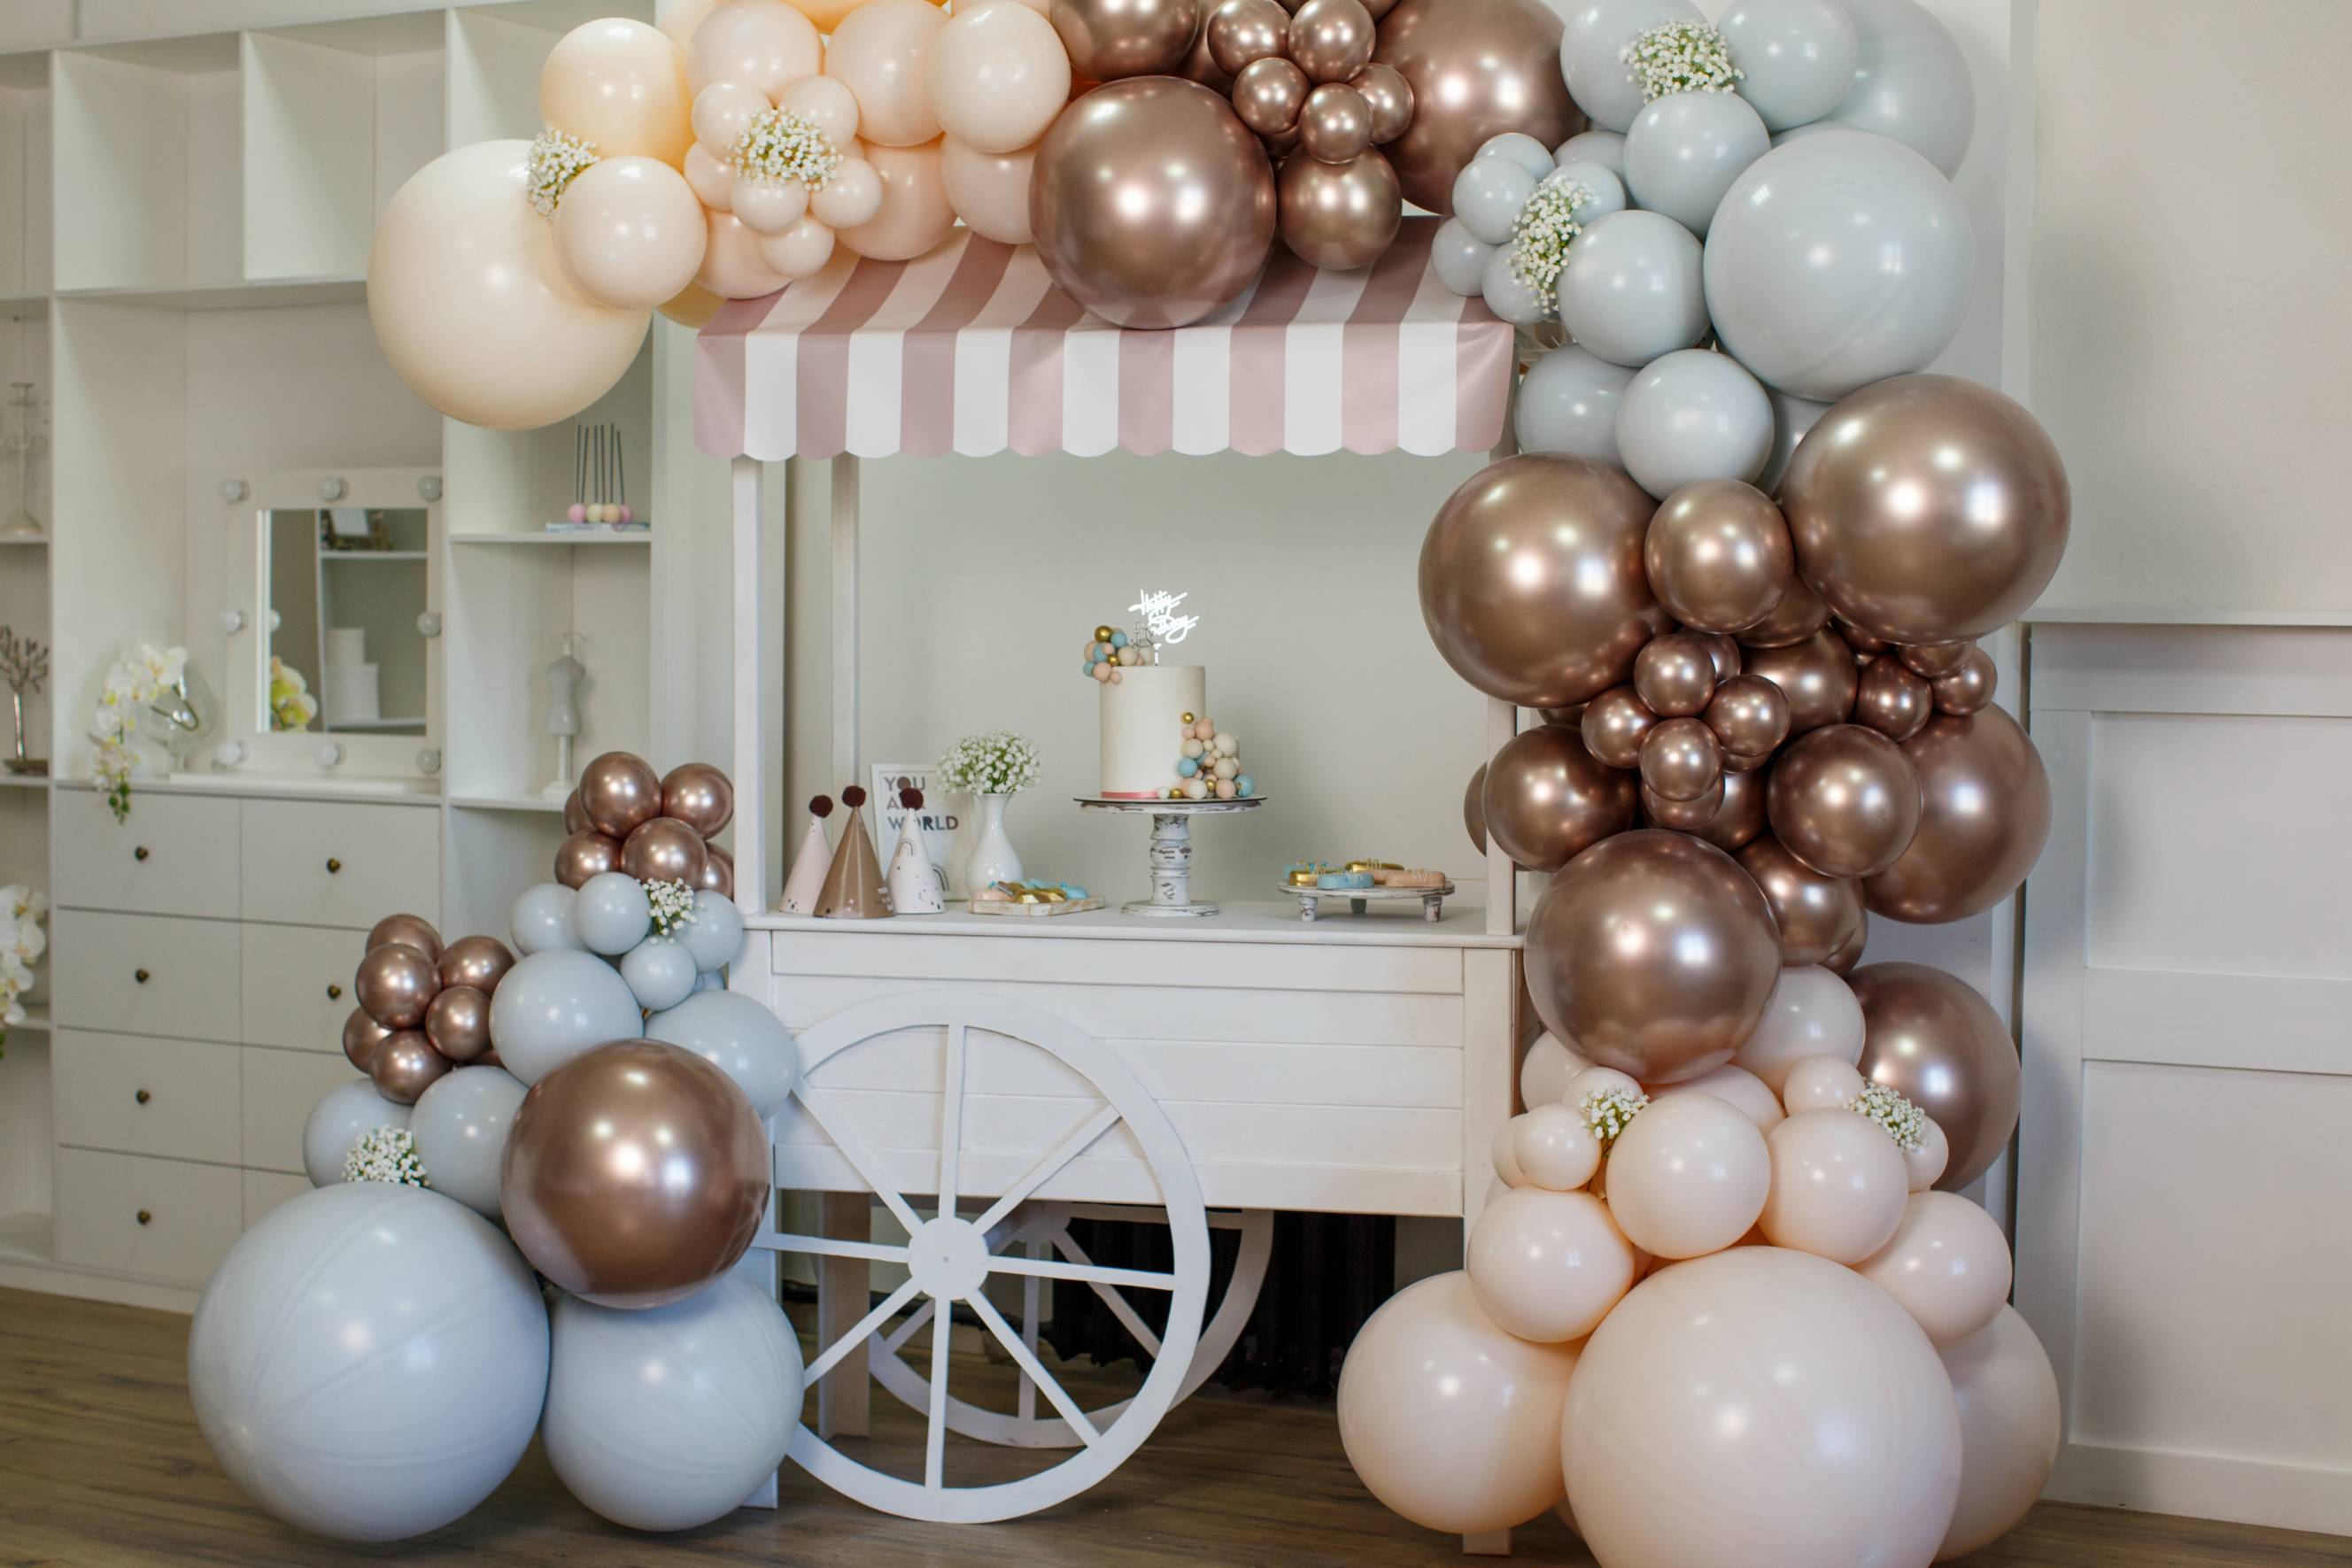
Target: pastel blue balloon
[(1910, 82), (1592, 44), (660, 973), (1693, 415), (715, 936), (555, 1004), (1245, 786), (1568, 403), (1507, 295), (1606, 148), (738, 1036), (1489, 193), (1608, 190), (460, 1125), (1186, 767), (1632, 288), (613, 912), (1087, 668), (709, 980), (1459, 259), (542, 918), (1118, 639), (1838, 260), (1791, 418), (1520, 148), (1685, 151), (337, 1122), (1797, 55)]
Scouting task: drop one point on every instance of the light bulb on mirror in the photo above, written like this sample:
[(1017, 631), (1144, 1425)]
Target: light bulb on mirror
[(329, 755), (230, 753)]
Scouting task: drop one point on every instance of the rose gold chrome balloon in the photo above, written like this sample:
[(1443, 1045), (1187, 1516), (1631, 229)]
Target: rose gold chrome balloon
[(1843, 961), (1547, 800), (1723, 650), (1968, 688), (393, 984), (1331, 39), (1935, 1041), (583, 855), (1675, 675), (576, 813), (618, 791), (458, 1023), (1750, 716), (635, 1174), (1389, 97), (1984, 816), (1531, 582), (1740, 815), (480, 962), (665, 849), (405, 1066), (1718, 555), (1816, 915), (1859, 641), (1680, 759), (1843, 800), (1280, 146), (1683, 816), (718, 872), (1268, 95), (1474, 809), (1927, 508), (1891, 700), (1335, 126), (413, 929), (1110, 39), (1338, 216), (1933, 659), (1613, 724), (1654, 953), (1151, 205), (1798, 616), (1241, 31), (699, 794), (361, 1037), (1477, 68), (1816, 675), (1202, 66)]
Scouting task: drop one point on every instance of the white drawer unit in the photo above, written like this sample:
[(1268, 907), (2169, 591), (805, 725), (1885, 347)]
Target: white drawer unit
[(134, 1095), (140, 974), (297, 986), (177, 854), (164, 1219), (277, 1090), (313, 863)]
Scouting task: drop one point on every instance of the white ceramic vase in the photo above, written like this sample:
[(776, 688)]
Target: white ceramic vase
[(992, 858)]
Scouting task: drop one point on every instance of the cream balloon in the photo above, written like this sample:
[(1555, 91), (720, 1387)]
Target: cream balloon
[(1547, 1069), (881, 52), (1820, 1084), (1839, 1186), (732, 266), (1736, 1087), (1598, 1080), (998, 75), (1948, 1265), (989, 191), (768, 206), (1448, 1419), (763, 44), (1546, 1266), (1503, 1154), (620, 85), (825, 104), (1811, 1013), (800, 251), (679, 18), (1553, 1148), (722, 112), (2007, 1397), (1926, 1162), (851, 197), (914, 215), (471, 305), (1689, 1175), (712, 177), (630, 232)]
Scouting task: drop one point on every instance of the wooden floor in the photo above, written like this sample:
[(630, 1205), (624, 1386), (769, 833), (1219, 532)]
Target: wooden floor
[(101, 1464)]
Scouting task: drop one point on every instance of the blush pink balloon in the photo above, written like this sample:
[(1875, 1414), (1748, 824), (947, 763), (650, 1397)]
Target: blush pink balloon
[(679, 18), (1547, 1069), (852, 196), (1948, 1265), (622, 85), (1689, 1175), (1820, 1084), (881, 52), (732, 267), (763, 44), (712, 177), (1811, 1013), (630, 233), (1553, 1148), (989, 191), (1839, 1186), (1546, 1266), (2008, 1400), (914, 215), (1926, 1162), (825, 104), (998, 75), (724, 111), (799, 250), (768, 206), (1742, 1091)]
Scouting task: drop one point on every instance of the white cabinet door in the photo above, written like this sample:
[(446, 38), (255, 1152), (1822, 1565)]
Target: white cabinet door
[(326, 863), (176, 854)]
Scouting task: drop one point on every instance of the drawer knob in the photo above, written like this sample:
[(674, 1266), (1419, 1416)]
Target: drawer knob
[(139, 854), (142, 1096), (144, 1216), (334, 865), (139, 976), (334, 992)]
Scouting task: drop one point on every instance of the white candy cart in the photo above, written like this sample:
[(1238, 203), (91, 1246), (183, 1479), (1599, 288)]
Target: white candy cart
[(986, 1082)]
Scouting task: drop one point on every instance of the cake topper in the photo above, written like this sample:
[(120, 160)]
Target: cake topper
[(1161, 623)]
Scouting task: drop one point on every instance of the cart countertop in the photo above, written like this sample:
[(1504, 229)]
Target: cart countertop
[(1463, 925)]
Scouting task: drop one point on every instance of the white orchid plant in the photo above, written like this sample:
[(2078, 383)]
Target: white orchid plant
[(22, 943), (128, 705)]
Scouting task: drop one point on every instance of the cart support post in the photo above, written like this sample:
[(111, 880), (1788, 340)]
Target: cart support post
[(844, 622), (747, 478)]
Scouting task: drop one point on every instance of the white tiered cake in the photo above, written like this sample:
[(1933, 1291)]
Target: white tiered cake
[(1144, 716)]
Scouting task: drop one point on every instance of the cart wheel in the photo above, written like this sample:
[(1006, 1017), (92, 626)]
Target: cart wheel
[(949, 1258), (1040, 1230)]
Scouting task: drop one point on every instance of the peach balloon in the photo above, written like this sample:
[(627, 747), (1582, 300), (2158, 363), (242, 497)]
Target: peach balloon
[(881, 52), (825, 104), (1546, 1266), (1926, 1162), (1598, 1081), (621, 85), (997, 75), (2007, 1397), (1811, 1013), (724, 111), (1689, 1175), (851, 197), (1947, 1266), (681, 18), (1820, 1084), (989, 191), (1503, 1154), (1742, 1091), (1547, 1069), (630, 232), (768, 206), (712, 177), (471, 305), (732, 266), (1448, 1419), (914, 215), (763, 44), (1553, 1148), (1839, 1186), (800, 250)]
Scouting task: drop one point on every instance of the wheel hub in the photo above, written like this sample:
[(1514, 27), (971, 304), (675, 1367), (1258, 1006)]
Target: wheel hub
[(949, 1258)]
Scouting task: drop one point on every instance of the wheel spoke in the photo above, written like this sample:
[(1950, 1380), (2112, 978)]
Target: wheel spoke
[(1084, 1273), (935, 1442), (858, 1331), (1033, 1368), (1118, 1306), (829, 1119), (897, 1338), (951, 1119), (830, 1247), (1070, 1148), (1031, 1288)]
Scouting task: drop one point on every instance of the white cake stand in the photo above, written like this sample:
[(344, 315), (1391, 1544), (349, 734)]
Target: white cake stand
[(1172, 849)]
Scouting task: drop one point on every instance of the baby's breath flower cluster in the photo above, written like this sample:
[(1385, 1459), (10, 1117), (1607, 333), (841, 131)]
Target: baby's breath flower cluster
[(385, 1155), (672, 905), (557, 158), (996, 763), (1609, 1112), (1544, 230), (1905, 1123), (781, 145), (1680, 57)]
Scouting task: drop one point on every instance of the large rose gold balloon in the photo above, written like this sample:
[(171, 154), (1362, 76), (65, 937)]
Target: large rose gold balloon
[(1474, 809), (1738, 815), (480, 962), (1680, 759), (1331, 39), (583, 855), (1892, 700), (1335, 126), (1391, 98), (1614, 725), (1268, 95), (1798, 616), (1817, 676), (1816, 915), (458, 1023), (718, 872), (1547, 800), (699, 794), (1844, 799), (1654, 953), (1750, 716), (1675, 675), (395, 982), (1984, 814), (413, 929), (1240, 32), (1531, 582), (1338, 216), (361, 1037), (1477, 68), (405, 1065), (618, 791), (1927, 508), (1718, 555), (1932, 1040), (1110, 39), (1849, 954), (1151, 205), (665, 849), (1968, 688), (635, 1174)]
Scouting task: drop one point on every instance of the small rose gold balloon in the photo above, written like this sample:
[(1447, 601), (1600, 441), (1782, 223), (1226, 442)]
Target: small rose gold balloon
[(1724, 650), (1474, 810), (699, 794), (1859, 641), (1815, 915), (1613, 724), (1547, 800), (1891, 700), (1337, 216), (1675, 675), (718, 872), (1683, 816), (575, 814), (1843, 961), (458, 1023), (1109, 39), (1389, 97), (618, 791), (361, 1037), (1740, 815), (1933, 659), (393, 984), (1241, 32), (1968, 688), (1334, 124), (1844, 799), (585, 855), (1750, 716), (1718, 555), (1984, 817), (1269, 94), (1681, 760), (665, 849), (1798, 616), (1201, 66), (1817, 675), (480, 962), (413, 929), (405, 1066), (1331, 39)]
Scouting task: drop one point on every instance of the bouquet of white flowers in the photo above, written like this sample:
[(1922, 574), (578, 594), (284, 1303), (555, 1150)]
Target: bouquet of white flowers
[(996, 763), (142, 709), (22, 943)]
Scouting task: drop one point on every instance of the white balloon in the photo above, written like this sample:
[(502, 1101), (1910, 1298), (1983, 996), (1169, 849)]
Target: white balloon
[(1791, 418), (714, 936), (1685, 151), (1507, 294), (1567, 403), (1520, 148), (369, 1362), (1910, 82), (1459, 259), (1546, 1266), (1797, 57), (545, 916), (1489, 193), (2007, 1397), (1632, 290), (740, 1037), (1606, 148), (613, 912), (460, 1125), (660, 973), (1948, 1265), (341, 1116), (1690, 416), (555, 1004), (1546, 1068), (1739, 1089), (1592, 47), (1811, 1012)]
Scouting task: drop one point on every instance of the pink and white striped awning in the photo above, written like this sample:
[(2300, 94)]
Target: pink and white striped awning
[(972, 349)]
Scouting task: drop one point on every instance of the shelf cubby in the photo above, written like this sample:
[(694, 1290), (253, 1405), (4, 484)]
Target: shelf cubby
[(24, 176), (148, 138)]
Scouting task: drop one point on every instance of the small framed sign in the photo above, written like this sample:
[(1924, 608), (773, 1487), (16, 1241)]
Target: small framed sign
[(936, 823)]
